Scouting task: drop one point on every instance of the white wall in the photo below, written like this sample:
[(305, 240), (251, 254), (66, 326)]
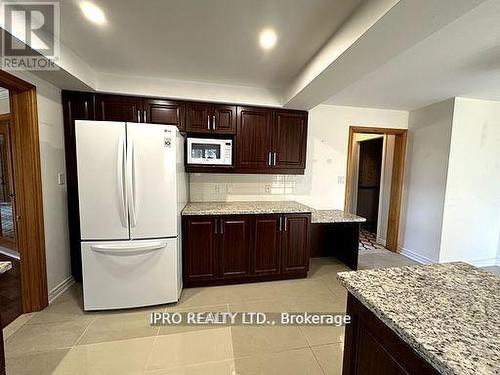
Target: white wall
[(4, 101), (50, 121), (471, 222), (323, 185), (429, 134)]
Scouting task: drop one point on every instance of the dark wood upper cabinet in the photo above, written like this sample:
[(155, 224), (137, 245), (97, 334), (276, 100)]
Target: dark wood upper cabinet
[(224, 119), (201, 247), (234, 246), (295, 243), (211, 118), (253, 138), (168, 112), (199, 118), (290, 139), (119, 108), (267, 244)]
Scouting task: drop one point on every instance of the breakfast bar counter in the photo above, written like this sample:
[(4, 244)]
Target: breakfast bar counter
[(446, 318)]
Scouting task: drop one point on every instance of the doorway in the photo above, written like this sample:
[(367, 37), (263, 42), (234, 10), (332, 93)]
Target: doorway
[(375, 168), (10, 283), (21, 210)]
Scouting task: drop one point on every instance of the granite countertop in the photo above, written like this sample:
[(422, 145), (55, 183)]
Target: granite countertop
[(243, 208), (5, 266), (335, 216), (449, 313)]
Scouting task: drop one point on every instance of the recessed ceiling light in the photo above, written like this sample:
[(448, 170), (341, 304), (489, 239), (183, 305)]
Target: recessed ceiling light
[(93, 12), (268, 38)]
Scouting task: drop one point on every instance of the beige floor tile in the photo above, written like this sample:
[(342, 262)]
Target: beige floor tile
[(300, 287), (61, 310), (294, 362), (317, 336), (127, 357), (251, 340), (44, 337), (119, 327), (212, 368), (43, 363), (14, 326), (330, 358), (191, 348), (173, 329)]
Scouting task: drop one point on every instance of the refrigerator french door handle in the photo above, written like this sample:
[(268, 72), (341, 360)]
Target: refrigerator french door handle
[(131, 183), (120, 166), (129, 249)]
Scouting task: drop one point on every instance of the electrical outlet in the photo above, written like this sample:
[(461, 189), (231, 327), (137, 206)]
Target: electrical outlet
[(341, 179), (217, 188), (229, 188), (267, 187)]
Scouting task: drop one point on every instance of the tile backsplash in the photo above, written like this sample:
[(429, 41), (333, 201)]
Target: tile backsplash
[(241, 187)]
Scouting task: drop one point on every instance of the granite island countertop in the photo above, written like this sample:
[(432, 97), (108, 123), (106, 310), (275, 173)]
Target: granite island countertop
[(244, 208), (334, 216), (448, 313), (5, 266)]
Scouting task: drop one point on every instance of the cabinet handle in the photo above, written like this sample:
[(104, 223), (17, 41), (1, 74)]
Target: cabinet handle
[(274, 159), (221, 227), (269, 158), (208, 122), (144, 116), (215, 229), (281, 222), (286, 220), (214, 122), (138, 116)]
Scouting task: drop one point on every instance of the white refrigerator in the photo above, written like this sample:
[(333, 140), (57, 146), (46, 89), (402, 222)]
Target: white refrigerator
[(132, 188)]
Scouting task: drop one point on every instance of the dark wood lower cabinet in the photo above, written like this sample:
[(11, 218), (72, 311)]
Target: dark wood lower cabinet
[(234, 253), (2, 352), (372, 348), (221, 250)]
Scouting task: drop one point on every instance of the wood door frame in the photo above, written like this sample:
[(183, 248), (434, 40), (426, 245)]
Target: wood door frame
[(396, 182), (30, 235)]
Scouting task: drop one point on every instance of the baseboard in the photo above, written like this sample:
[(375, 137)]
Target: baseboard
[(416, 257), (489, 262), (60, 289)]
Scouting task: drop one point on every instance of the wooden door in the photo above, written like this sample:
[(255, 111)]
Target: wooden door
[(234, 252), (295, 243), (199, 118), (266, 246), (224, 119), (168, 112), (200, 247), (290, 139), (253, 138), (119, 108), (7, 201)]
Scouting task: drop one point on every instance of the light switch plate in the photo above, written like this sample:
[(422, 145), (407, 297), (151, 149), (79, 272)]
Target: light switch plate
[(61, 178)]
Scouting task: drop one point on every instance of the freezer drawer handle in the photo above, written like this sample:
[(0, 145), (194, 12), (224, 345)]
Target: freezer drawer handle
[(128, 250)]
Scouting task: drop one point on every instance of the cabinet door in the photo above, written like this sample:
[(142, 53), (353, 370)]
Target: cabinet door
[(290, 139), (234, 246), (253, 138), (166, 112), (224, 119), (119, 108), (200, 247), (199, 118), (295, 243), (266, 246)]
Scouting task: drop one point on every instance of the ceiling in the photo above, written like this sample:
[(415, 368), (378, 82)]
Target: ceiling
[(205, 41), (461, 59)]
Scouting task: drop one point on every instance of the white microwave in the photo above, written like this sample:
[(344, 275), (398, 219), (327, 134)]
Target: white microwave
[(208, 151)]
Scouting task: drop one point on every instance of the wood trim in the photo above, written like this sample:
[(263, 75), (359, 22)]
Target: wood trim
[(13, 83), (396, 192), (30, 235), (396, 182), (4, 117)]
